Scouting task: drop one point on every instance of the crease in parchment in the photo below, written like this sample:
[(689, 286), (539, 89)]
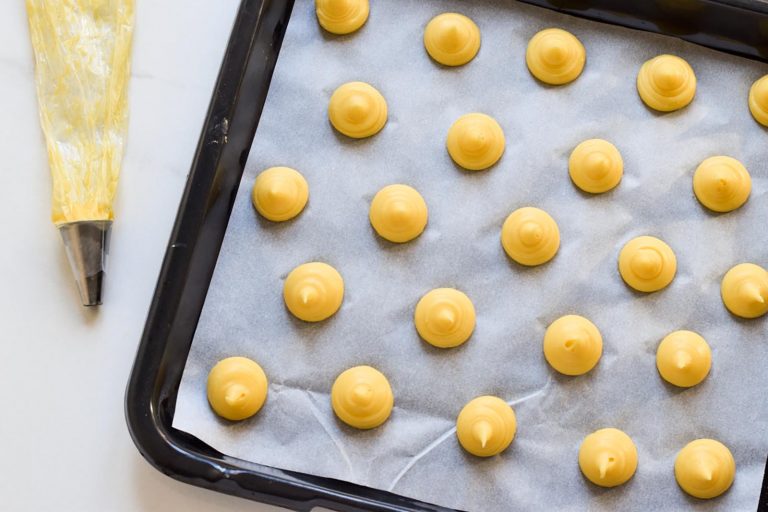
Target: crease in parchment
[(445, 435), (319, 417)]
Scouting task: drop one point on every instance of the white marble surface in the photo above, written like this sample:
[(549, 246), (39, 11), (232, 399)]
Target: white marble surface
[(63, 369)]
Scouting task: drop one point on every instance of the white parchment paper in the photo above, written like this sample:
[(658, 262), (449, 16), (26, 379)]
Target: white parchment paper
[(415, 453)]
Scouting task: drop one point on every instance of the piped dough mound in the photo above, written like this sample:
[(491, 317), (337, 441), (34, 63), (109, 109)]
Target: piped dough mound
[(486, 426), (647, 264), (445, 317), (452, 39), (555, 56), (341, 16), (475, 141), (362, 398), (608, 457), (313, 291), (722, 183), (666, 83), (596, 166), (398, 213), (357, 110), (280, 193), (705, 468), (530, 236), (237, 388)]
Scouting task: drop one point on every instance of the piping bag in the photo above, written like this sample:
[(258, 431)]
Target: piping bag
[(82, 54)]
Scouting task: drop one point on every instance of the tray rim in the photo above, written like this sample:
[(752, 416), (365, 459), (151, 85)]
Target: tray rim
[(206, 204)]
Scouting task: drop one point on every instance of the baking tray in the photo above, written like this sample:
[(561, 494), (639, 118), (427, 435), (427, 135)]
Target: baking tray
[(734, 26)]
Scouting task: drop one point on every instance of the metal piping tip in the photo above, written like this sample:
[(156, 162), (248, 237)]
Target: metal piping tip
[(87, 246)]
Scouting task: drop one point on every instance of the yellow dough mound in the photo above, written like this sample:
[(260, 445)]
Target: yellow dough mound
[(357, 110), (452, 39), (647, 264), (398, 213), (486, 426), (475, 141), (722, 183), (555, 56), (237, 388), (666, 83), (313, 291), (745, 290), (608, 457), (758, 100), (596, 166), (341, 16), (572, 345), (705, 468), (530, 236), (445, 317), (683, 358), (362, 398), (280, 193)]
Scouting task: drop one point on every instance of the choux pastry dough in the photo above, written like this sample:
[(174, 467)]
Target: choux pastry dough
[(445, 317), (745, 290), (452, 39), (398, 213), (683, 358), (666, 83), (705, 468), (647, 264), (341, 16), (475, 141), (608, 457), (486, 426), (555, 56), (313, 291), (530, 236), (595, 166), (572, 345), (357, 110), (758, 100), (280, 193), (721, 183), (362, 398), (237, 388)]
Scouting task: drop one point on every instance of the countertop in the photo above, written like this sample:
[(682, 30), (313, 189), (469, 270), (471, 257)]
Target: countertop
[(64, 367)]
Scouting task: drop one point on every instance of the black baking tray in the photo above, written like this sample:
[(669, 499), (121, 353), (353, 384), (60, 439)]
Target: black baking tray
[(734, 26)]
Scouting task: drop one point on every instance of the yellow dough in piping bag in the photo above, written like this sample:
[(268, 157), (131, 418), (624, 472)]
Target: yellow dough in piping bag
[(445, 317), (237, 388), (555, 56), (398, 213), (647, 264), (572, 345), (666, 83), (595, 166), (357, 110), (722, 183), (744, 290), (683, 358), (313, 291), (362, 398), (452, 39), (280, 193), (530, 236), (608, 457), (341, 16), (758, 100), (82, 53), (475, 141), (486, 426), (705, 468)]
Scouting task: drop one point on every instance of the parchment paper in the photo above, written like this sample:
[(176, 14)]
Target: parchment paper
[(415, 453)]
